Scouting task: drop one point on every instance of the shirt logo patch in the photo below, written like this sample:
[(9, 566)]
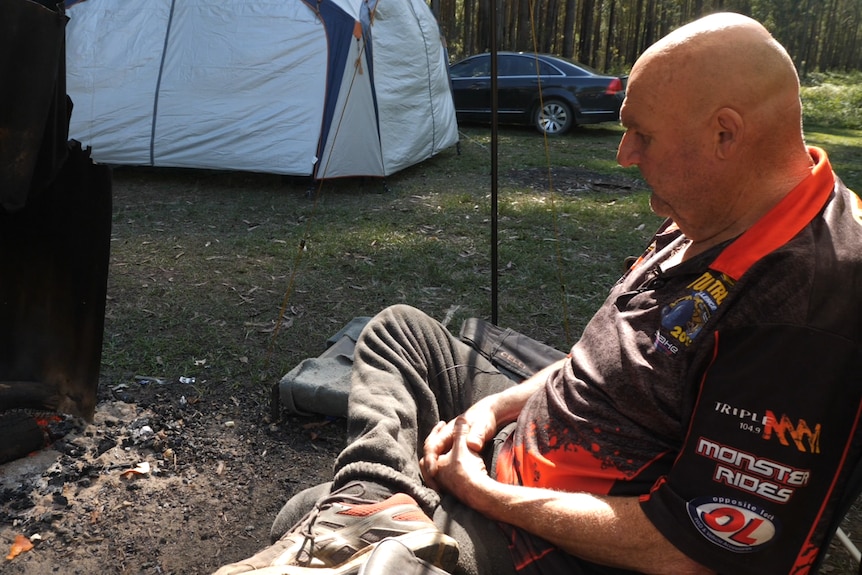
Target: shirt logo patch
[(682, 320), (760, 476), (732, 524), (798, 433), (803, 437)]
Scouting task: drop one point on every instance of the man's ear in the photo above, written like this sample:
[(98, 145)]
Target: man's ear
[(729, 129)]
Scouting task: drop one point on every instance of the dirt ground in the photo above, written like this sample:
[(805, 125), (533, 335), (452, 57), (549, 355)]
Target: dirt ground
[(167, 481), (218, 473)]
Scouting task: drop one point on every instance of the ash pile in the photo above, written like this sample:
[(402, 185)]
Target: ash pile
[(56, 496)]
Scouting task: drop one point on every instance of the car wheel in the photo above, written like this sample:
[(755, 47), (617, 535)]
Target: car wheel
[(554, 118)]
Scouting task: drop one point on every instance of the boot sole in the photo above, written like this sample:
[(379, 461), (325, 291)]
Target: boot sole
[(432, 546)]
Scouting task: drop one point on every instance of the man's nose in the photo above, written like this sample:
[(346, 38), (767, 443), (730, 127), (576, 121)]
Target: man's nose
[(627, 154)]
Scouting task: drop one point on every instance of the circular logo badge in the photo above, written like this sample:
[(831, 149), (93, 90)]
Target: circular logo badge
[(733, 524)]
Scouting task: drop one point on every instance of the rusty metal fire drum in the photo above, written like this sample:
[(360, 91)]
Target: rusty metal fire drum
[(55, 227)]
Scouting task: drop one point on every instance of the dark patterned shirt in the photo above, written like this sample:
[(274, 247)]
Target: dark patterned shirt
[(725, 391)]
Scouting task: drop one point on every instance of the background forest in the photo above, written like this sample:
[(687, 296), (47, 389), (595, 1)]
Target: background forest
[(820, 35)]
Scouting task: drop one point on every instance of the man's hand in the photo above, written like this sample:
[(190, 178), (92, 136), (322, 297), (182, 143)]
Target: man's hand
[(474, 428), (479, 424), (461, 470), (608, 530)]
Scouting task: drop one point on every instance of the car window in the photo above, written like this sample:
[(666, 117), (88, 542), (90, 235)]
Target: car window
[(546, 69), (579, 70), (507, 65), (516, 66), (526, 66), (472, 68)]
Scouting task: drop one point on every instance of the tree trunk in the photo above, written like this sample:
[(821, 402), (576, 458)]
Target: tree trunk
[(569, 29), (469, 27), (585, 42), (596, 34), (548, 33), (525, 25), (611, 38)]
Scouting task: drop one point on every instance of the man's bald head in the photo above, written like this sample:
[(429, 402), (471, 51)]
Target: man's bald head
[(714, 123), (725, 60)]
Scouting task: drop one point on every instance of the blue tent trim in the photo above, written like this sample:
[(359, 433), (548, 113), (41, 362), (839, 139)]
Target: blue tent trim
[(365, 19), (339, 28)]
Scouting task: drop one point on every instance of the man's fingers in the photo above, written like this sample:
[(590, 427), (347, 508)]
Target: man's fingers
[(434, 440), (475, 438), (446, 440), (431, 450), (460, 433), (428, 471), (482, 426)]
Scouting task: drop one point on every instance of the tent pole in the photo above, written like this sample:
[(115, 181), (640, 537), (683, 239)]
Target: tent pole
[(494, 254)]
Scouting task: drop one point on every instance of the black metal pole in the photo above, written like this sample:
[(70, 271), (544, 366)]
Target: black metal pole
[(494, 255)]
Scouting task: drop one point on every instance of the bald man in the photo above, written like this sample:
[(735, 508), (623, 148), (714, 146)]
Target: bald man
[(706, 420)]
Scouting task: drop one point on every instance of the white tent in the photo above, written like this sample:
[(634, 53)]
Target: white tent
[(328, 88)]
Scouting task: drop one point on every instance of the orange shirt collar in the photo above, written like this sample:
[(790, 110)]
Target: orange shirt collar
[(782, 222)]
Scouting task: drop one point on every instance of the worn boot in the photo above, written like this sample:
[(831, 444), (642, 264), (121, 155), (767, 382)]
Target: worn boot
[(392, 556)]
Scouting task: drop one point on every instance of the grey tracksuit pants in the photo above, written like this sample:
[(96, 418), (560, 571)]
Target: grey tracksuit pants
[(409, 373)]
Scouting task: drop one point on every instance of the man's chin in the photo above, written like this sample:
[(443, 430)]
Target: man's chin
[(658, 206)]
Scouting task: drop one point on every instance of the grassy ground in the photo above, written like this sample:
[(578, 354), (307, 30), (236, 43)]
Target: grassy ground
[(207, 266)]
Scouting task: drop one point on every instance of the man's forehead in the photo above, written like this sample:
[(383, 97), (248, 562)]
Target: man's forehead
[(638, 105)]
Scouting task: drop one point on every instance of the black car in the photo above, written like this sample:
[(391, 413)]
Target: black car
[(571, 94)]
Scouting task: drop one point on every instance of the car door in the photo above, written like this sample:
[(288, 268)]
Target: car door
[(517, 86), (471, 87)]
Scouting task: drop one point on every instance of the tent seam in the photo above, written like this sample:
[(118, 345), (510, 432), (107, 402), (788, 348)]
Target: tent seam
[(159, 85), (428, 76)]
